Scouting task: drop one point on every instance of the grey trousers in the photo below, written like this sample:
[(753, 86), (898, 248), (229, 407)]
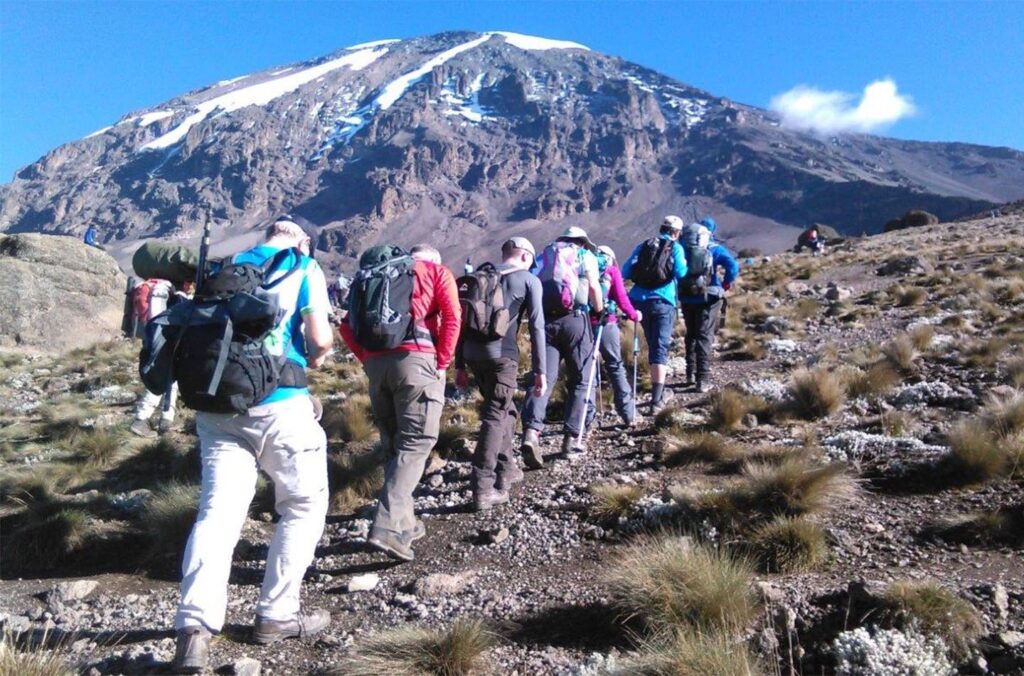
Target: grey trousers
[(571, 341), (701, 323), (406, 395), (618, 376)]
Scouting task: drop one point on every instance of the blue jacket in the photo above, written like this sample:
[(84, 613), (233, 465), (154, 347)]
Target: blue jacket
[(666, 292), (90, 236), (721, 257)]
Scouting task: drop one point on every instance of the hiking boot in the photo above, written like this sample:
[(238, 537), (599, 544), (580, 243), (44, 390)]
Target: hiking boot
[(531, 449), (393, 544), (192, 651), (485, 500), (627, 419), (509, 478), (164, 426), (573, 445), (303, 625), (418, 531), (701, 387), (142, 428)]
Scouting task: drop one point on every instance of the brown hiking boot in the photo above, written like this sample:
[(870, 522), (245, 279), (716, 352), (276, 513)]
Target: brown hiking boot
[(509, 478), (142, 428), (192, 651), (394, 544), (303, 625), (572, 444), (531, 449), (485, 500)]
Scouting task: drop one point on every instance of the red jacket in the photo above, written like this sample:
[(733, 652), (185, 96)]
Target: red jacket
[(435, 306)]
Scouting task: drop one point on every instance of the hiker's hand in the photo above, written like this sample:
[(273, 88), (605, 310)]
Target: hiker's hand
[(726, 285), (318, 408), (461, 379), (321, 360), (639, 317), (540, 383)]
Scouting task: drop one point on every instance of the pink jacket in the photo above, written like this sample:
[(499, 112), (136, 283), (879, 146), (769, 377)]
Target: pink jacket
[(617, 294)]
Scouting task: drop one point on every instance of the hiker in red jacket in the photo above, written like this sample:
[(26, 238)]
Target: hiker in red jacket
[(407, 394)]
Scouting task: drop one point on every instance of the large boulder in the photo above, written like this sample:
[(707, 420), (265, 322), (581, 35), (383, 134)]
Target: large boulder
[(58, 294), (912, 219)]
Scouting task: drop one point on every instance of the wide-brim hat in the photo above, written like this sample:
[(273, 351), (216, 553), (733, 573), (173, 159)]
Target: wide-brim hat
[(578, 234)]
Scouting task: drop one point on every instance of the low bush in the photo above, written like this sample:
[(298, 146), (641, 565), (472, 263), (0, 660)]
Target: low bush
[(814, 394), (934, 609), (788, 545), (418, 651), (612, 502), (689, 653)]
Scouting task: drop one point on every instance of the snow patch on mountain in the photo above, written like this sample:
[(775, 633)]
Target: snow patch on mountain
[(262, 94), (225, 83), (532, 42), (371, 45), (99, 131), (468, 105), (147, 119)]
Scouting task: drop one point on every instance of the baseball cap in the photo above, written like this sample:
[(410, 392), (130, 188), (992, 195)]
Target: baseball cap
[(673, 222), (520, 243), (607, 251)]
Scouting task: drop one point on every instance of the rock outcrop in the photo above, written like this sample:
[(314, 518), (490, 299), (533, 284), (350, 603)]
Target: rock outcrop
[(58, 293)]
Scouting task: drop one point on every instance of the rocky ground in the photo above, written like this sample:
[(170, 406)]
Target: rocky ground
[(921, 330)]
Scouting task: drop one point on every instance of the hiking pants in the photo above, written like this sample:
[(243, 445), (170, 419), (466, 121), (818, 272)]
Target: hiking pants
[(406, 395), (149, 403), (611, 359), (494, 457), (701, 323), (571, 340), (284, 440), (658, 321)]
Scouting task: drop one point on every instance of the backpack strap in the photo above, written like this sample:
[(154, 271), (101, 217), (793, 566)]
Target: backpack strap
[(222, 356), (275, 261)]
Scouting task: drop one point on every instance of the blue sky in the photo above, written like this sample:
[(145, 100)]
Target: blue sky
[(69, 68)]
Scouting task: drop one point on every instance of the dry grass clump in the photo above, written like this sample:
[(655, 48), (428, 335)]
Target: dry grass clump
[(815, 394), (729, 406), (1015, 372), (998, 526), (901, 354), (672, 419), (978, 454), (165, 458), (806, 308), (788, 545), (47, 536), (99, 445), (678, 450), (671, 583), (935, 609), (921, 336), (418, 651), (689, 653), (457, 428), (613, 502), (61, 418), (878, 379), (167, 519), (793, 487), (984, 353), (27, 657), (911, 295), (1005, 415), (355, 477), (349, 420)]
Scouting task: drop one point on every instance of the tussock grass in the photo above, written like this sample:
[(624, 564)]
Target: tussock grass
[(729, 406), (878, 379), (921, 336), (788, 545), (418, 651), (47, 536), (793, 487), (349, 420), (355, 478), (935, 609), (671, 419), (912, 295), (998, 526), (99, 445), (31, 658), (806, 308), (167, 519), (978, 454), (672, 584), (984, 353), (613, 502), (457, 427), (689, 653), (1005, 415), (1015, 372), (814, 394), (165, 458), (64, 416), (677, 450), (901, 354)]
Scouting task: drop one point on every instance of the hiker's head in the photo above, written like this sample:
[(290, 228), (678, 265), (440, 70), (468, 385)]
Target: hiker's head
[(709, 223), (518, 251), (578, 236), (285, 233), (671, 226), (608, 253), (425, 253)]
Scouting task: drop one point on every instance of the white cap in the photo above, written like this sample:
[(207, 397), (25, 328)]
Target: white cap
[(607, 251), (520, 243), (673, 222)]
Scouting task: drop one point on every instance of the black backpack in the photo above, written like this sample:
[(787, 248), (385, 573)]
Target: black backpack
[(214, 345), (380, 298), (696, 242), (484, 313), (655, 265)]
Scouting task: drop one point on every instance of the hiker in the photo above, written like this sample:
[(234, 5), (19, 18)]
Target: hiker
[(610, 349), (571, 290), (150, 299), (90, 238), (811, 240), (405, 361), (702, 297), (495, 364), (280, 436), (656, 266)]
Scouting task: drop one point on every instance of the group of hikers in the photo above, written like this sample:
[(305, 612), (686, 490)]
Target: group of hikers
[(236, 349)]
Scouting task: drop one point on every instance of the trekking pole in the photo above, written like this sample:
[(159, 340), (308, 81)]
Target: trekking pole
[(636, 353), (600, 387), (590, 384), (204, 253)]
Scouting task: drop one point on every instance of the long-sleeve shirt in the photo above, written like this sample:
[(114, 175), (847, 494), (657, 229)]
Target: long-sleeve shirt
[(435, 307), (523, 297), (722, 258), (617, 294), (90, 236), (667, 291)]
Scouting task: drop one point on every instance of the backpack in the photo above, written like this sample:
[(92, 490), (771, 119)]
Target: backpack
[(214, 346), (150, 298), (157, 259), (560, 279), (655, 264), (696, 242), (482, 297), (380, 298)]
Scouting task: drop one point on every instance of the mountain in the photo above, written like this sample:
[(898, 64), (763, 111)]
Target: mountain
[(463, 138)]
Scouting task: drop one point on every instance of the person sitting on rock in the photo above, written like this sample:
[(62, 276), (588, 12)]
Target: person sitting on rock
[(90, 237), (495, 364), (810, 239)]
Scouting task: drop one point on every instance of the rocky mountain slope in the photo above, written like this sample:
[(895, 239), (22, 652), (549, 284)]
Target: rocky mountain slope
[(461, 138), (862, 454)]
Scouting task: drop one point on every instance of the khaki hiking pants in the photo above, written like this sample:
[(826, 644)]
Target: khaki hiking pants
[(284, 440), (406, 395)]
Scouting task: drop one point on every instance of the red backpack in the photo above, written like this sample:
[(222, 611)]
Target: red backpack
[(142, 299)]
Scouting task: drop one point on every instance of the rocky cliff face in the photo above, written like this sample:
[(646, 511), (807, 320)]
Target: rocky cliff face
[(464, 138), (58, 294)]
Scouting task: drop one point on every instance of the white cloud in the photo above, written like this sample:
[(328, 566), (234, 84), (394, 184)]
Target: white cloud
[(805, 107)]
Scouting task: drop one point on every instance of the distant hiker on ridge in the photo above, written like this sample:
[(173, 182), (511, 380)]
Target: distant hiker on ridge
[(810, 239), (90, 237), (656, 266)]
